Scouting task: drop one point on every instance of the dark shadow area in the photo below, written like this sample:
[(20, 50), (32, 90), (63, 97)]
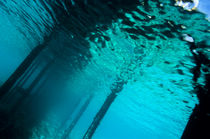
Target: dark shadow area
[(199, 123), (21, 107)]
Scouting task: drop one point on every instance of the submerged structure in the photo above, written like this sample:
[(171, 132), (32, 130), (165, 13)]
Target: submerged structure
[(103, 69)]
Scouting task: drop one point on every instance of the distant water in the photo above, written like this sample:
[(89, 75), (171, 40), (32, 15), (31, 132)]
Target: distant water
[(140, 50)]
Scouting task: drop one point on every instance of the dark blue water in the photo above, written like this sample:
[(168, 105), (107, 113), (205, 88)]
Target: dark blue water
[(140, 51)]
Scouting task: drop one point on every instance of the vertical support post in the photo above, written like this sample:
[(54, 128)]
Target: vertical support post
[(27, 92), (78, 116), (20, 70), (116, 88)]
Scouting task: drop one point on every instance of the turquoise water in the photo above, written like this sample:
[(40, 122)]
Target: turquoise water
[(91, 49)]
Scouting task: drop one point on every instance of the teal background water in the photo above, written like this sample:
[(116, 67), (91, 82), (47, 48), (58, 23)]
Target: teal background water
[(139, 45)]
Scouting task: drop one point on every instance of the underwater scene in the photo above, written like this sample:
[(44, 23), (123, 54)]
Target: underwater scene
[(104, 69)]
